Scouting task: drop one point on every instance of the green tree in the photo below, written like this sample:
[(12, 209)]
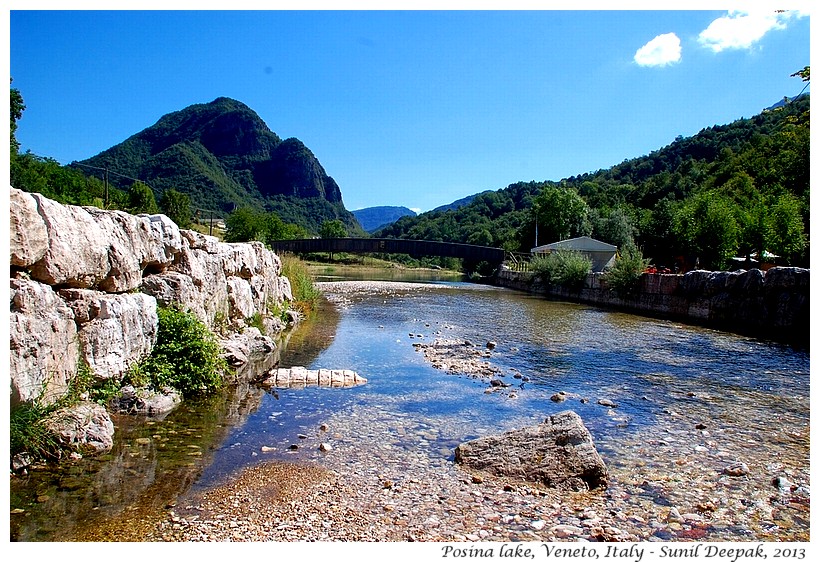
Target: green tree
[(177, 206), (333, 229), (706, 226), (624, 276), (140, 199), (560, 213), (786, 232), (805, 73), (244, 224), (481, 237), (616, 228), (17, 107)]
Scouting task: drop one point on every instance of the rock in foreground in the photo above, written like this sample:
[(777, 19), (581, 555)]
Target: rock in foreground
[(558, 453)]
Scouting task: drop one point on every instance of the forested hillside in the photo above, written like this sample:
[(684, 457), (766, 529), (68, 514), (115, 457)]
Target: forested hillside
[(223, 156), (730, 190)]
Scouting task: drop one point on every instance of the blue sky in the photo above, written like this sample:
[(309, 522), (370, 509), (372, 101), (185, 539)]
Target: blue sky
[(411, 108)]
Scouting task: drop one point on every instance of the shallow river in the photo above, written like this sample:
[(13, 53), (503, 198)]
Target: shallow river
[(690, 402)]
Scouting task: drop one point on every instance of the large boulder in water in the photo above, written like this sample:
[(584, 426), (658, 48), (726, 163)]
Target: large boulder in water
[(85, 427), (558, 453)]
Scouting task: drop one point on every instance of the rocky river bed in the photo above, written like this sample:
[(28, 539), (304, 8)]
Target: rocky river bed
[(384, 491), (374, 472)]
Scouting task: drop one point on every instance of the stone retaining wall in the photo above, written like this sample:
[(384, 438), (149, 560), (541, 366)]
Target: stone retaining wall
[(773, 305)]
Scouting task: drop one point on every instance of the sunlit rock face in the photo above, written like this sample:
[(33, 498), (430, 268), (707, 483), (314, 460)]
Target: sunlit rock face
[(85, 285)]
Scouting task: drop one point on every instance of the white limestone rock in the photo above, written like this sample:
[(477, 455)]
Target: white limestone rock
[(77, 254), (240, 297), (28, 237), (44, 346), (115, 330)]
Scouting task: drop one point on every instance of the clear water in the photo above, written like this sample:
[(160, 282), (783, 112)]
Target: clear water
[(753, 393)]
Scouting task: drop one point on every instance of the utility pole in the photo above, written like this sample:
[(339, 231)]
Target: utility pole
[(536, 209)]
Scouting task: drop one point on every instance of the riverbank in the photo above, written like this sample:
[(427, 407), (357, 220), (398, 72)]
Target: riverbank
[(375, 269), (379, 481), (772, 304), (388, 473)]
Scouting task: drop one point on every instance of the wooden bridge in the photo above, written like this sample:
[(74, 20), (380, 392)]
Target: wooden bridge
[(413, 248)]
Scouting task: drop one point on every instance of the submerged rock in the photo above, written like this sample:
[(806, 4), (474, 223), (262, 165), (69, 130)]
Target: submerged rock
[(85, 427), (296, 377), (146, 401), (558, 453)]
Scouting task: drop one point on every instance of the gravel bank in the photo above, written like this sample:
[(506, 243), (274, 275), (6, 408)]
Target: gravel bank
[(387, 477)]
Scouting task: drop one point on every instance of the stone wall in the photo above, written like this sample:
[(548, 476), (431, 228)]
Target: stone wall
[(85, 284), (773, 305)]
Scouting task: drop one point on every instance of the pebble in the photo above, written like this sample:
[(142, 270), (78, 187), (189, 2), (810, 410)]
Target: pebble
[(736, 469)]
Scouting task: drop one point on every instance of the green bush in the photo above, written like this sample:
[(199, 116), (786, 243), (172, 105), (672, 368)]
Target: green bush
[(186, 356), (305, 293), (624, 276), (566, 268)]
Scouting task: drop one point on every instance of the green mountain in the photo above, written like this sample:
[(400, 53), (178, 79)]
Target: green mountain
[(374, 218), (223, 156), (729, 190)]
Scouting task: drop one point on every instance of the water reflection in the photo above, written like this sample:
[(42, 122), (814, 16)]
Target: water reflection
[(153, 461)]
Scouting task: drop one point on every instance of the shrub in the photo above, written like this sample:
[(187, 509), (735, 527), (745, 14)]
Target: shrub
[(186, 356), (28, 432), (566, 268), (86, 386), (256, 321), (27, 429), (305, 294), (624, 276)]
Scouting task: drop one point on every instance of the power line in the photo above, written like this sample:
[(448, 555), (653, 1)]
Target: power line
[(108, 171)]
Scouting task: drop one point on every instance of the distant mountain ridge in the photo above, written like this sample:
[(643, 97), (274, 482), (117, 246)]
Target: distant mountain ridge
[(374, 218), (464, 201), (223, 156), (784, 101)]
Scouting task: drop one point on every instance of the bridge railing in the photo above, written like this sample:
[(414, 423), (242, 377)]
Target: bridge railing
[(517, 261), (415, 248)]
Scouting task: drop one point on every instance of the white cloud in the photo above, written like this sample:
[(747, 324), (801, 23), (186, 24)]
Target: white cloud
[(661, 51), (742, 29), (416, 210)]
